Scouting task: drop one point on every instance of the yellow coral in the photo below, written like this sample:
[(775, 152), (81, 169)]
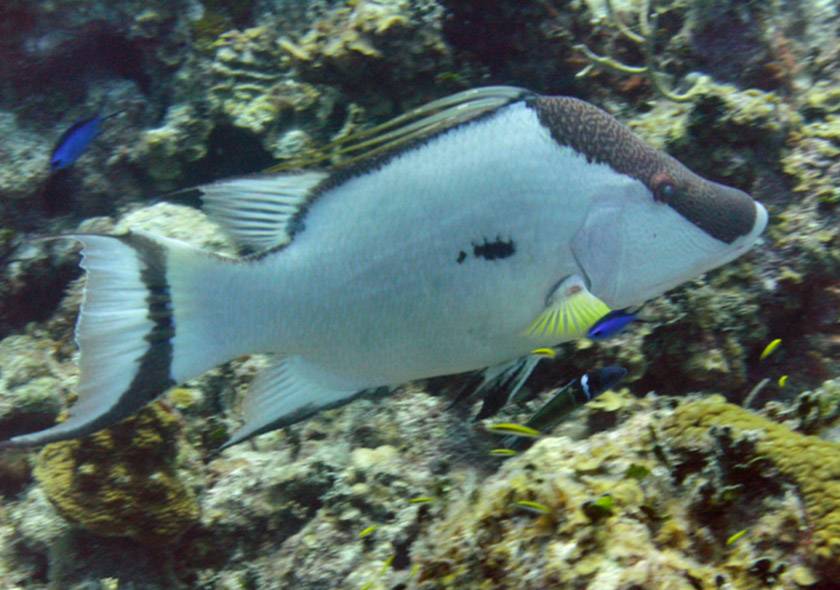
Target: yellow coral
[(122, 481), (811, 463)]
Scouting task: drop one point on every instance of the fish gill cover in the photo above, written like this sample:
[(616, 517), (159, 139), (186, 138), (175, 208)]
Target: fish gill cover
[(653, 484)]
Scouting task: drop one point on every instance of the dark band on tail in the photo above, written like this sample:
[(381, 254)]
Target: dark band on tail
[(146, 366), (154, 375)]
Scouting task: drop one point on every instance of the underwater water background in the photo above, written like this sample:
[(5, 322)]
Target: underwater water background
[(714, 464)]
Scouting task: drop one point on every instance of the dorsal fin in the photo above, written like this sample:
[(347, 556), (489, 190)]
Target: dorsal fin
[(257, 211), (424, 121)]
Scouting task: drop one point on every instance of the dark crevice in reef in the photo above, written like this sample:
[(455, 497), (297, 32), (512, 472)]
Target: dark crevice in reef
[(36, 293), (231, 151), (501, 36), (239, 14), (725, 29), (23, 423), (71, 61)]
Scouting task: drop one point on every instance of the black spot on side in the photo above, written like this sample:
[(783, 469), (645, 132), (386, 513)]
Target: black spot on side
[(461, 257), (495, 250)]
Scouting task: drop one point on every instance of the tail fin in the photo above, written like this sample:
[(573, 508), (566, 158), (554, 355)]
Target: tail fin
[(135, 342)]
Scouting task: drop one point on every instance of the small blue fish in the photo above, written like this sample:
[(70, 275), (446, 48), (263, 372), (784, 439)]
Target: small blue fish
[(73, 142), (611, 324)]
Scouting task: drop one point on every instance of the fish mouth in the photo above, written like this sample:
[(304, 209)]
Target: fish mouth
[(761, 218)]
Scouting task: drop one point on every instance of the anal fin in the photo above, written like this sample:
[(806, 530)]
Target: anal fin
[(288, 391)]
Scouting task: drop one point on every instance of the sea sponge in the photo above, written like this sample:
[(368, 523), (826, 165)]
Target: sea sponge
[(811, 463), (122, 481)]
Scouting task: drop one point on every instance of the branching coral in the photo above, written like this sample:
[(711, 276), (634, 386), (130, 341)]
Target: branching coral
[(645, 40)]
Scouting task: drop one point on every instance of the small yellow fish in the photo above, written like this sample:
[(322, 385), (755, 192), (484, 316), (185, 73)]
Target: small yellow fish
[(386, 565), (503, 452), (514, 429), (546, 352), (368, 531), (421, 500), (532, 506), (770, 348), (734, 538), (783, 380), (599, 508)]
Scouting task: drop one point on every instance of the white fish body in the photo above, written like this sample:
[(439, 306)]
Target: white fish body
[(383, 299), (487, 238)]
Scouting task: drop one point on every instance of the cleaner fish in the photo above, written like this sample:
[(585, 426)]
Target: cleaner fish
[(461, 235)]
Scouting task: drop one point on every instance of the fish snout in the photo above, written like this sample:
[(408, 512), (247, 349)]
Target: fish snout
[(746, 217), (749, 224), (725, 213), (761, 217)]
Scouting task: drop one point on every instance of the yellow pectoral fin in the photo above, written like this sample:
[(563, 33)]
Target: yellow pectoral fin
[(570, 312)]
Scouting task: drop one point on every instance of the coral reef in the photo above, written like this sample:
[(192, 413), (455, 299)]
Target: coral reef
[(645, 39), (253, 91), (400, 39), (619, 509), (632, 492), (181, 139), (31, 382), (29, 151), (122, 481), (297, 505), (812, 162), (812, 464)]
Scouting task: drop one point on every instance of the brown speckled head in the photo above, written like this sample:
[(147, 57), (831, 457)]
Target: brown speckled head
[(722, 212)]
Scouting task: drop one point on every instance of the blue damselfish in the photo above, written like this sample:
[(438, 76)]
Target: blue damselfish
[(611, 324), (73, 142)]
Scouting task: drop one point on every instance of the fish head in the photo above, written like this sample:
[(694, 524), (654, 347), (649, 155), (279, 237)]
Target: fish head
[(659, 226), (648, 222)]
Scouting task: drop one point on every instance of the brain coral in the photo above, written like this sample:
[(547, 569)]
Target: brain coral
[(122, 481)]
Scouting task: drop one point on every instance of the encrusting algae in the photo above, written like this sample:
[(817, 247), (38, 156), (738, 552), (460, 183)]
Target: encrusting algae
[(122, 481), (811, 463), (706, 495)]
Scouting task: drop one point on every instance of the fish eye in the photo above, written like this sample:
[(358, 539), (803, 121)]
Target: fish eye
[(665, 191)]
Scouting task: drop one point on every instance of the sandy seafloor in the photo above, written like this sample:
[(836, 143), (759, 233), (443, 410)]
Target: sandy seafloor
[(673, 481)]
